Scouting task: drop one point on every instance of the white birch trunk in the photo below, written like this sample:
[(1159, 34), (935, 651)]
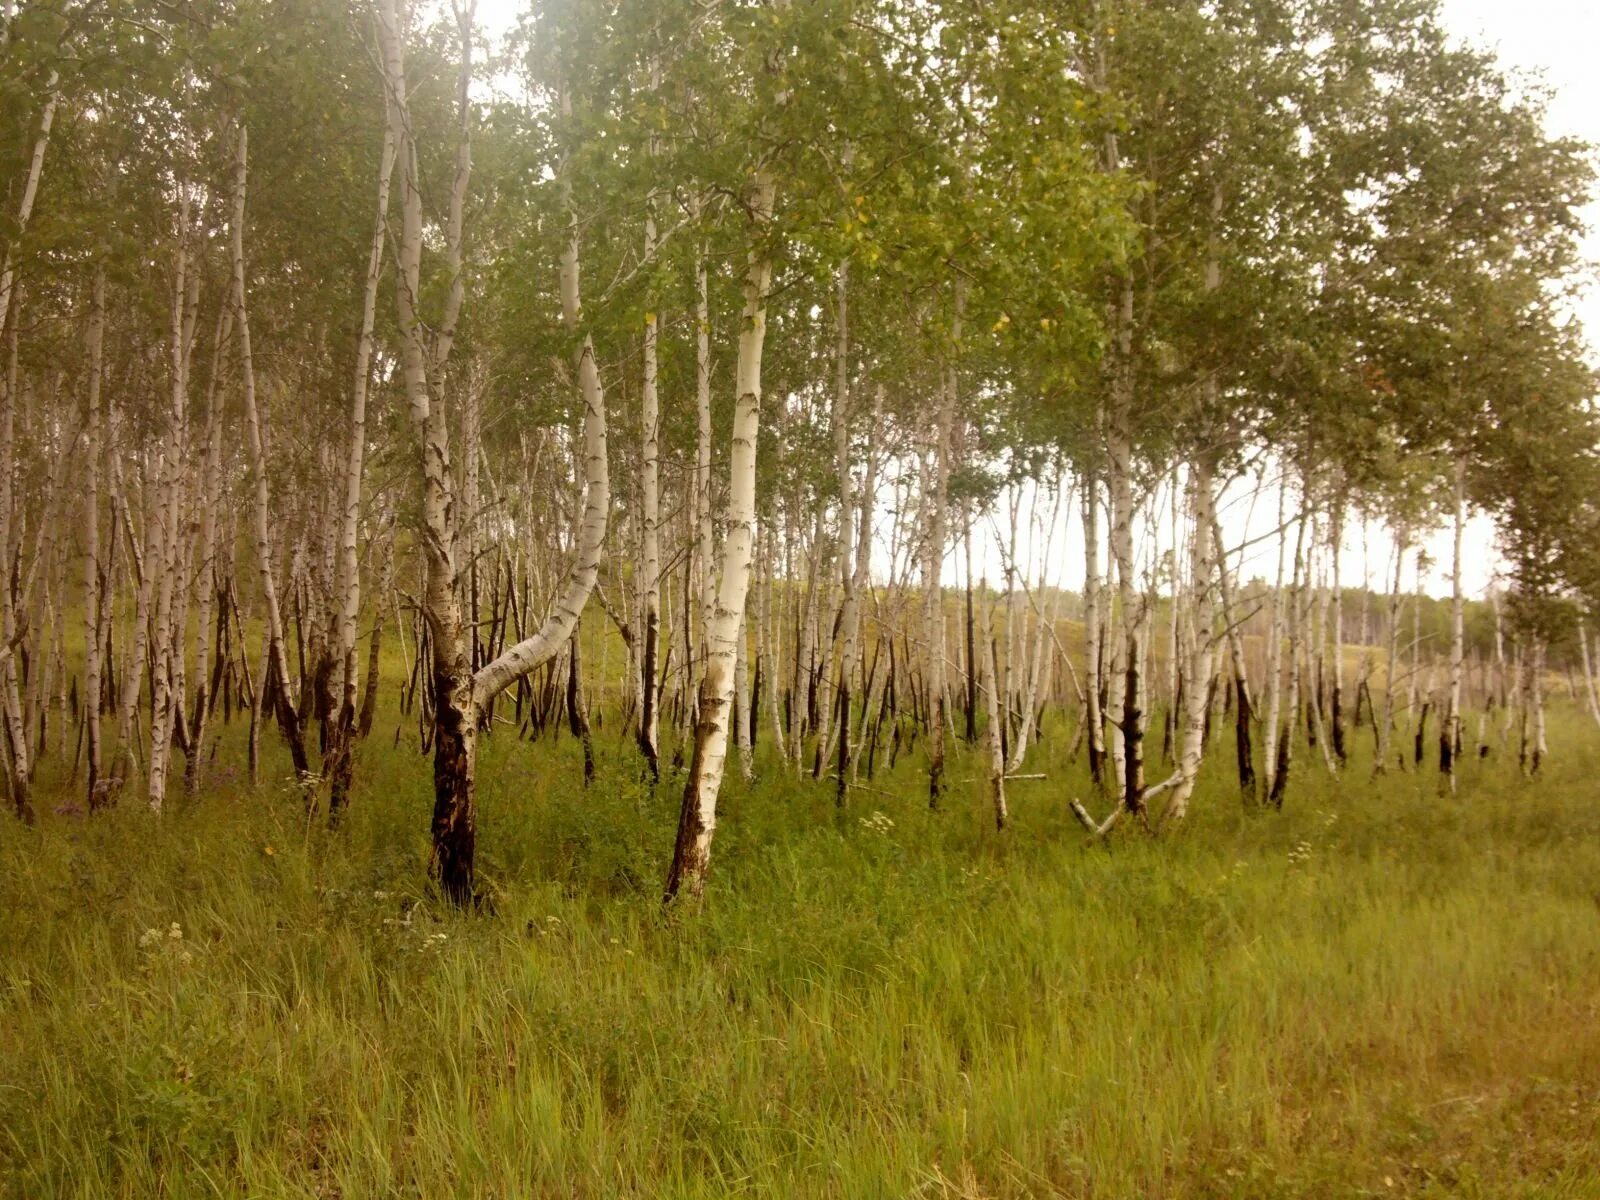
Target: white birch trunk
[(692, 853)]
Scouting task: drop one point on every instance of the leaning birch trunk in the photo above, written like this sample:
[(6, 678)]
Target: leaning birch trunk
[(275, 682), (1199, 636), (338, 754), (691, 856), (30, 192), (528, 655), (96, 583)]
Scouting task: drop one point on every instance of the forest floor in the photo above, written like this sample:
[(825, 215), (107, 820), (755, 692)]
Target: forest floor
[(1375, 992)]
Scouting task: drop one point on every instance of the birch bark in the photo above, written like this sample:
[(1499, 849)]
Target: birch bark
[(697, 822)]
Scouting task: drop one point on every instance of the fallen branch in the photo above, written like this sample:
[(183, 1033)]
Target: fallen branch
[(1100, 829)]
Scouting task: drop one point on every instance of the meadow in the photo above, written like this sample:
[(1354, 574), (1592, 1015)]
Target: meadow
[(1378, 991)]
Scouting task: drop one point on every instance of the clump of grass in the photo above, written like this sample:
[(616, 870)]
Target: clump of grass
[(1376, 992)]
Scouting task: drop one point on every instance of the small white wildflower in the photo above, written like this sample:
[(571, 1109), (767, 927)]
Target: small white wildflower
[(149, 938), (175, 931), (380, 895)]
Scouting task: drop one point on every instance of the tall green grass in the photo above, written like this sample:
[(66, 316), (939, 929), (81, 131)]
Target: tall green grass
[(1376, 992)]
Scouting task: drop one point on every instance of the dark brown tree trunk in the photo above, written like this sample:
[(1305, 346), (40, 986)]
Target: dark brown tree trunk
[(647, 692), (369, 695), (1243, 749), (455, 832), (1132, 734), (688, 862), (1336, 723), (577, 718)]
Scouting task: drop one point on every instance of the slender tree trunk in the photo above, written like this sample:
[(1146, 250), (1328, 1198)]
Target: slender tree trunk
[(849, 566), (1275, 623), (1450, 726), (1243, 706), (650, 513), (1385, 726), (933, 567), (1336, 698), (1094, 719), (170, 605), (1296, 623), (988, 652), (337, 760), (692, 852), (454, 732), (96, 581), (275, 679), (1200, 636)]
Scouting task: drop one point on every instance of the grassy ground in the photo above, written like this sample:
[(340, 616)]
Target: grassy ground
[(1374, 993)]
